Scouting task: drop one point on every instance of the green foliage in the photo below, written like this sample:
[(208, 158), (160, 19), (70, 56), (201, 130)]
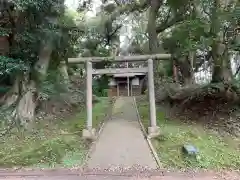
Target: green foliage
[(188, 36), (4, 89), (9, 66), (69, 37), (168, 68), (95, 43), (100, 86), (4, 31), (100, 34), (40, 26), (39, 23), (52, 86), (179, 6)]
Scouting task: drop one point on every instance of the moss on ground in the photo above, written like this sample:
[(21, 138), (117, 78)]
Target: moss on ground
[(215, 151), (55, 143)]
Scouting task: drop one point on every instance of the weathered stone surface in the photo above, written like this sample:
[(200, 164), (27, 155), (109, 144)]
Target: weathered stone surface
[(153, 131), (190, 150), (89, 134)]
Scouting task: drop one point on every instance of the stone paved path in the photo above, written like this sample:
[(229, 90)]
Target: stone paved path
[(121, 143)]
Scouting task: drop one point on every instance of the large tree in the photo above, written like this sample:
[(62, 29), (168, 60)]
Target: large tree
[(196, 32), (38, 33)]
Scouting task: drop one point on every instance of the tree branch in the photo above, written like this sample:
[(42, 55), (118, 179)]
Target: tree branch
[(115, 31), (168, 16), (128, 8), (236, 73), (169, 23), (111, 34)]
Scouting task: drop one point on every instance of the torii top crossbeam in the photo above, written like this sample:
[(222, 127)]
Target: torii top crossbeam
[(120, 58)]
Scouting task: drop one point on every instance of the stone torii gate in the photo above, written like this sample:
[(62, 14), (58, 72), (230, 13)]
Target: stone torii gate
[(153, 129)]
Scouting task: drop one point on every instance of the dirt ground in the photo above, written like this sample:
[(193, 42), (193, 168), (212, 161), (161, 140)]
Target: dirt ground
[(128, 175)]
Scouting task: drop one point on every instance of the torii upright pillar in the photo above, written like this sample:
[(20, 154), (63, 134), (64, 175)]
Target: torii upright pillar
[(89, 132), (153, 129)]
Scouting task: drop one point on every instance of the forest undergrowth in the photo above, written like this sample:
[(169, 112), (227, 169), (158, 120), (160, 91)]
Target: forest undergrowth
[(203, 116), (54, 138)]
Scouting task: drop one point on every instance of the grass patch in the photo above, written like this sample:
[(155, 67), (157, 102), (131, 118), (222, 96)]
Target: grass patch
[(55, 143), (215, 151)]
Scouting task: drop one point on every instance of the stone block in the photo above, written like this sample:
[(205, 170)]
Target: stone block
[(153, 131), (190, 150), (89, 134)]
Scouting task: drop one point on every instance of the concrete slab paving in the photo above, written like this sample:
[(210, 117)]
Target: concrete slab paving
[(121, 143)]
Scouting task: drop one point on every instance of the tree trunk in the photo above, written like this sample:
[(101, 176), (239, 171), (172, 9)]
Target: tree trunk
[(25, 110), (175, 72), (27, 103), (221, 64), (151, 27), (188, 80), (42, 64), (64, 72), (12, 95), (153, 36), (186, 70), (221, 61)]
